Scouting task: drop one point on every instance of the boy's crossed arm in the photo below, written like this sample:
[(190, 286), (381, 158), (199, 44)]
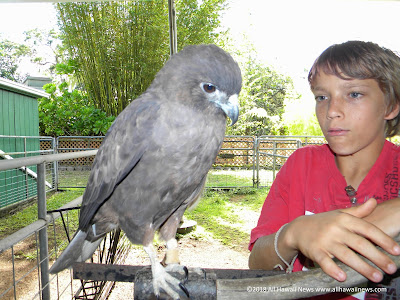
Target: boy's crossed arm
[(337, 234)]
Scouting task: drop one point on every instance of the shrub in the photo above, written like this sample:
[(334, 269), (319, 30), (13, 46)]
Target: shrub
[(70, 113)]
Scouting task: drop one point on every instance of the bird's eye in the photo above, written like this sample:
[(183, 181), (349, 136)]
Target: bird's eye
[(209, 88)]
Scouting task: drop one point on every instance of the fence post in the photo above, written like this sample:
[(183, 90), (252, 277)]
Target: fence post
[(256, 169), (273, 159), (43, 242), (26, 173), (54, 174)]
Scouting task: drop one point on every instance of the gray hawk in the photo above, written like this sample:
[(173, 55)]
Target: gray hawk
[(155, 157)]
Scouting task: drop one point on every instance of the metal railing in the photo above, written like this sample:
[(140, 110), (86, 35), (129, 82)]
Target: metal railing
[(254, 162), (38, 228), (12, 180)]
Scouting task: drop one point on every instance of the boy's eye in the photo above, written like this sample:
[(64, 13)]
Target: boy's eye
[(320, 98), (355, 94)]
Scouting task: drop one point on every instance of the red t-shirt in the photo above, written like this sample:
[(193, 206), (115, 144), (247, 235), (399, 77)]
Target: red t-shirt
[(310, 183)]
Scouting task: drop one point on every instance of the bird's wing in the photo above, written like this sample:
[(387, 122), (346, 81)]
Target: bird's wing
[(114, 161)]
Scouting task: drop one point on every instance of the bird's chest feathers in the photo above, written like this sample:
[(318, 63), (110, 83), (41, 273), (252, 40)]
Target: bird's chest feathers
[(181, 122), (188, 137)]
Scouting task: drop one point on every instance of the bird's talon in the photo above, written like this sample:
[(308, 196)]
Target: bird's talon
[(184, 289), (186, 274)]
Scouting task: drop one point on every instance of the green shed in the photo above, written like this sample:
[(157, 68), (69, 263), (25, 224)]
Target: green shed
[(19, 136)]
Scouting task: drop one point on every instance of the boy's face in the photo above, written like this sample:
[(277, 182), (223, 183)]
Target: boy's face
[(351, 113)]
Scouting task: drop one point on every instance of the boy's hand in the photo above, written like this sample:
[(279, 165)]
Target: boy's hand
[(386, 216), (341, 233)]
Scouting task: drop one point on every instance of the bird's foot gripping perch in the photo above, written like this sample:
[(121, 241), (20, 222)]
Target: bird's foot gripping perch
[(162, 279)]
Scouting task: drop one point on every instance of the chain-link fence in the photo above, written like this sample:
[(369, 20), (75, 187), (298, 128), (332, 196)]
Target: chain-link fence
[(273, 151), (243, 161), (25, 255)]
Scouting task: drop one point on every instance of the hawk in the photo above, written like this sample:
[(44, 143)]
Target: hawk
[(155, 157)]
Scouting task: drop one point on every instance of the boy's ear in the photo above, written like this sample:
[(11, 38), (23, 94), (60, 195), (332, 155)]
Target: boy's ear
[(393, 114)]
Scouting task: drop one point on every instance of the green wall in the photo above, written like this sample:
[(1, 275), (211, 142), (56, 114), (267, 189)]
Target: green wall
[(19, 116)]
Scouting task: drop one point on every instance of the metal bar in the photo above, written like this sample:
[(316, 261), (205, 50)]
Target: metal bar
[(28, 161), (256, 180), (278, 148), (26, 136), (79, 137), (26, 174), (13, 266), (274, 155), (38, 262), (21, 234), (173, 40), (43, 238), (257, 142), (274, 160), (75, 149), (25, 152)]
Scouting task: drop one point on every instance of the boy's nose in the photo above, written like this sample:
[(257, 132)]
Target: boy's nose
[(335, 108)]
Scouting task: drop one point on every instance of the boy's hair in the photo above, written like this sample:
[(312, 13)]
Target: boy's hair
[(364, 60)]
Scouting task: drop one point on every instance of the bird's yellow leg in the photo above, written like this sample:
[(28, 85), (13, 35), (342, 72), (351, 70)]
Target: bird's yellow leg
[(172, 253)]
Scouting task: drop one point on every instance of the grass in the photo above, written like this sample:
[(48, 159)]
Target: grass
[(12, 223), (218, 212), (20, 219), (73, 178), (221, 214), (216, 178)]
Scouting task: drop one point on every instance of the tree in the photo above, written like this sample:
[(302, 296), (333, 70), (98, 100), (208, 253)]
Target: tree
[(41, 49), (11, 55), (45, 49), (118, 47), (300, 118), (70, 113), (262, 98), (197, 21)]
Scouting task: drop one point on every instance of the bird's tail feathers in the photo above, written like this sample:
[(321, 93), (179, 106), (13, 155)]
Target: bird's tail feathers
[(78, 250)]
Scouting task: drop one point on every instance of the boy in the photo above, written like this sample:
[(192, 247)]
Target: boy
[(333, 200)]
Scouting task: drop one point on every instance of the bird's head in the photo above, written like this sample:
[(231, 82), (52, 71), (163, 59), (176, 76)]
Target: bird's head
[(229, 104), (204, 76)]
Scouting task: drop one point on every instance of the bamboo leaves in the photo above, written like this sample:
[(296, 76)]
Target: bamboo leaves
[(119, 46)]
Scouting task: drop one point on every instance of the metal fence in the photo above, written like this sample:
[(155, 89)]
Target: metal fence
[(19, 184), (25, 255), (273, 151), (243, 161)]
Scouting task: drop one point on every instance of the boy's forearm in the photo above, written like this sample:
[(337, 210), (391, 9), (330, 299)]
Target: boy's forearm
[(263, 255)]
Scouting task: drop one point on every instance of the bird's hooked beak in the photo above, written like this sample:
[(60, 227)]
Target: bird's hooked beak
[(230, 107)]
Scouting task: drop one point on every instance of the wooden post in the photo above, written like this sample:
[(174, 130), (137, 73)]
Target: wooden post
[(201, 283), (232, 284), (295, 285)]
